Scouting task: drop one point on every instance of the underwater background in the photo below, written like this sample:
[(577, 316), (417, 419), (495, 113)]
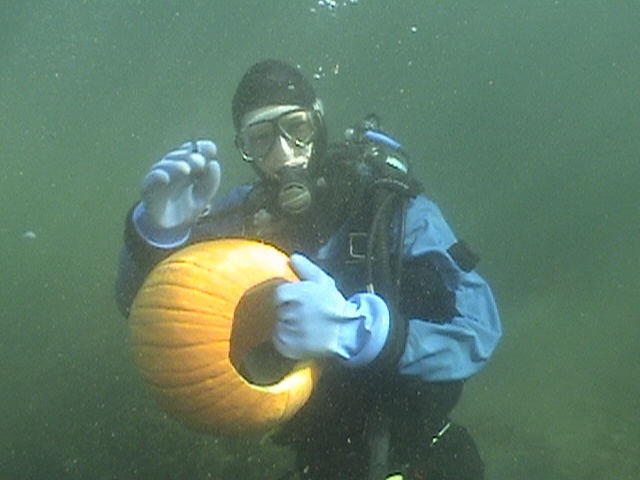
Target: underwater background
[(522, 119)]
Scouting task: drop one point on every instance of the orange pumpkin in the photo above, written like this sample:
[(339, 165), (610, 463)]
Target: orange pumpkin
[(196, 318)]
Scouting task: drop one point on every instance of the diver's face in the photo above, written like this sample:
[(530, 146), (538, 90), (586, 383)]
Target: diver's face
[(278, 136)]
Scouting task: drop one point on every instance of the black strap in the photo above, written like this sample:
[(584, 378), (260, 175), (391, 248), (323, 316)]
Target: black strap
[(389, 357), (464, 257)]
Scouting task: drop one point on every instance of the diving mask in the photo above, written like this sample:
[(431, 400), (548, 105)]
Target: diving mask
[(298, 127)]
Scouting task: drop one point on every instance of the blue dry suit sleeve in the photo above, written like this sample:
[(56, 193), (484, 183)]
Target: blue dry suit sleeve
[(454, 350)]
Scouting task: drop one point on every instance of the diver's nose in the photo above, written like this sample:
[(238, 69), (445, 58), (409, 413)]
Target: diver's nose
[(278, 155)]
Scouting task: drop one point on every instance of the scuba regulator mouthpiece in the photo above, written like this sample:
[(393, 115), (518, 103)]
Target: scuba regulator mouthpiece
[(295, 191), (294, 198)]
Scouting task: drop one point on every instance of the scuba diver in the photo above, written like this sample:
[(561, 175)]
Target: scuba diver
[(388, 298)]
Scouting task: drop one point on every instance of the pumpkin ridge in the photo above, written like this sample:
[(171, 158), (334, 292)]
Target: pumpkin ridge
[(178, 386), (201, 400), (189, 287), (146, 316), (203, 367), (177, 323), (150, 310), (240, 394), (182, 346), (227, 373), (191, 264)]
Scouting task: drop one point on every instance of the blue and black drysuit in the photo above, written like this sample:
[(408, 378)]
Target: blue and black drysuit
[(450, 328)]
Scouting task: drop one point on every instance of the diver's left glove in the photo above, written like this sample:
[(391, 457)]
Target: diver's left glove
[(316, 321), (175, 192)]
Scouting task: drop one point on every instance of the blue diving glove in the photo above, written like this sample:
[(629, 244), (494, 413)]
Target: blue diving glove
[(175, 192), (316, 321)]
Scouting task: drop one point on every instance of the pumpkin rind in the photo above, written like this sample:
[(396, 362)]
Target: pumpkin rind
[(181, 325)]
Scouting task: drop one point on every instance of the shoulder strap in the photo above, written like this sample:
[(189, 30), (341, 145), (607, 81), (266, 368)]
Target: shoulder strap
[(464, 257)]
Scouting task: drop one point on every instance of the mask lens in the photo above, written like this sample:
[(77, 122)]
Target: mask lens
[(256, 140), (298, 127)]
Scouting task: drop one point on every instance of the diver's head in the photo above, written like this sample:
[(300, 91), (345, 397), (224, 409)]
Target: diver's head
[(278, 119)]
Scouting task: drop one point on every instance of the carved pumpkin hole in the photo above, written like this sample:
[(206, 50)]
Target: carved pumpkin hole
[(251, 351)]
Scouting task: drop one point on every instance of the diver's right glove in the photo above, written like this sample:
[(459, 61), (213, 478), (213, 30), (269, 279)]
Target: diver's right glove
[(316, 321), (175, 192)]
